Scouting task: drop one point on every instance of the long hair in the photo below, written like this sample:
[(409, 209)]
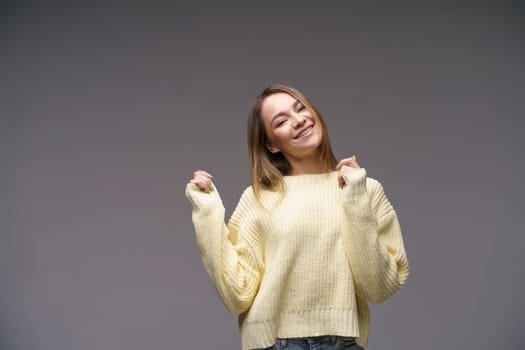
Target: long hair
[(267, 169)]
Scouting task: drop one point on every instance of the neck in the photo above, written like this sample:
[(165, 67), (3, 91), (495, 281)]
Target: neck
[(309, 165)]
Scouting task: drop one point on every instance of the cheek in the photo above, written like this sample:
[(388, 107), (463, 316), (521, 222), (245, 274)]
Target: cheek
[(318, 126), (273, 135), (280, 135), (320, 134), (270, 134)]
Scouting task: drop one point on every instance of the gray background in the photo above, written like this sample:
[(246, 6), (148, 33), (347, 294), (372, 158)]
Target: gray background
[(106, 110)]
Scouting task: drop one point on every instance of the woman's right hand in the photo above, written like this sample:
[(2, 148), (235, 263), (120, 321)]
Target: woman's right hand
[(202, 179)]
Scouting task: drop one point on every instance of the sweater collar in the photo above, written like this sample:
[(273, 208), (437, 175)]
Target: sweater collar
[(292, 180)]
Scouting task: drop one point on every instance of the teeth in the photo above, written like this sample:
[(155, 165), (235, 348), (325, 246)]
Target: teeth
[(303, 132)]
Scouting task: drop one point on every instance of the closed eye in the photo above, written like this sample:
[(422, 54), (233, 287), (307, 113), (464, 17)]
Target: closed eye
[(280, 122)]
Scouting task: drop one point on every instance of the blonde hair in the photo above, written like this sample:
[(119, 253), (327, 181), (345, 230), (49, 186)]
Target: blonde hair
[(267, 169)]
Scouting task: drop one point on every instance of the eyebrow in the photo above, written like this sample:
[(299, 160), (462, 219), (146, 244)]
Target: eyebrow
[(297, 102)]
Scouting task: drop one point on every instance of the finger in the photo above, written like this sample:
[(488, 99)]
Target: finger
[(354, 162), (350, 162), (204, 179), (203, 172), (346, 161), (344, 169), (198, 183), (203, 184), (201, 176), (340, 179)]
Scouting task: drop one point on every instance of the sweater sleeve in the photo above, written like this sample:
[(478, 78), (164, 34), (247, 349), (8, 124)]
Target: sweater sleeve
[(376, 251), (232, 254)]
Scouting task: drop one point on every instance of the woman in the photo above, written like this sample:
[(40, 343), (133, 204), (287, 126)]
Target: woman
[(310, 242)]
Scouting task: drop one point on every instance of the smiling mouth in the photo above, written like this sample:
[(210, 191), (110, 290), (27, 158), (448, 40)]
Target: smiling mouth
[(303, 132)]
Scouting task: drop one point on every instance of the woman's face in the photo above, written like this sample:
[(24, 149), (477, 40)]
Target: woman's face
[(291, 127)]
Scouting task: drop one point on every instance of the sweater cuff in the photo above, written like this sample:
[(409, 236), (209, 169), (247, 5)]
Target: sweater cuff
[(199, 199), (355, 181)]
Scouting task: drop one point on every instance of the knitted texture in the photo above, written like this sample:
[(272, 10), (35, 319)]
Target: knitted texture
[(305, 264)]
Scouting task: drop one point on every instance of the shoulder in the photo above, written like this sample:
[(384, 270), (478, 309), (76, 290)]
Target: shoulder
[(248, 211), (247, 202), (376, 191), (373, 185), (247, 196)]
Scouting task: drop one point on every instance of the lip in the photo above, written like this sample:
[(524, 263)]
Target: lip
[(304, 131)]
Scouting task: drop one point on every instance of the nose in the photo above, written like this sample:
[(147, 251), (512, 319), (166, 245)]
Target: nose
[(298, 120)]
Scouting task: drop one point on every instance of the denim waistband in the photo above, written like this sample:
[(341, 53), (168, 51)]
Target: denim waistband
[(311, 340)]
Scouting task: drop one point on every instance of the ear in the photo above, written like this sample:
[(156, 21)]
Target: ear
[(272, 148)]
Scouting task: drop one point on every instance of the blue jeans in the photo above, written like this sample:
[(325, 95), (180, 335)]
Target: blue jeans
[(327, 342)]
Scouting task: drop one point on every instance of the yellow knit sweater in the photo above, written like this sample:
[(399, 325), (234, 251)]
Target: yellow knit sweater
[(307, 265)]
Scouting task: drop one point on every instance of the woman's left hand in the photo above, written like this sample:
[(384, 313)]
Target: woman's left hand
[(344, 166)]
